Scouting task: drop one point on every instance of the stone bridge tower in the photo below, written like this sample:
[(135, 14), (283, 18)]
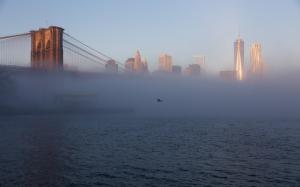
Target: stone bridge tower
[(47, 48)]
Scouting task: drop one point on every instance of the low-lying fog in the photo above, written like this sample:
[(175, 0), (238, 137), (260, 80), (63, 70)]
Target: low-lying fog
[(181, 96)]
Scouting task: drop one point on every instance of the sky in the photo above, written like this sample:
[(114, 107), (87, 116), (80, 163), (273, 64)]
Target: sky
[(181, 28)]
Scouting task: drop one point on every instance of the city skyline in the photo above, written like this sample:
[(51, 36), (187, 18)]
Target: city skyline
[(179, 34), (149, 92), (48, 46)]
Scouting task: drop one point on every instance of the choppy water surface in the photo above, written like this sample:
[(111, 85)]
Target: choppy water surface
[(95, 151)]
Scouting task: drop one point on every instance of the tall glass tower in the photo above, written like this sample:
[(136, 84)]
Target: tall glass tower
[(239, 58)]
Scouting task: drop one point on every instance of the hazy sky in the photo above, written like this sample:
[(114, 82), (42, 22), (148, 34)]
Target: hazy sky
[(181, 28)]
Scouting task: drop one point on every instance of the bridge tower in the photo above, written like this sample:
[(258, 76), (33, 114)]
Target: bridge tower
[(47, 48)]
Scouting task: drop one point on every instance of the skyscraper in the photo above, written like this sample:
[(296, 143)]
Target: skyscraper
[(145, 66), (200, 59), (138, 65), (129, 65), (177, 70), (239, 58), (193, 70), (165, 63), (111, 66), (256, 63)]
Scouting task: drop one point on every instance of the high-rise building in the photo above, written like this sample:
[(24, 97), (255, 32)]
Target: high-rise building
[(239, 58), (111, 66), (138, 64), (129, 65), (200, 59), (193, 70), (165, 63), (176, 70), (145, 66), (256, 63)]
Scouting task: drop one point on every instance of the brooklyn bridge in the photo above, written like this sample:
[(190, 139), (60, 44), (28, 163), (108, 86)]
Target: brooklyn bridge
[(52, 49)]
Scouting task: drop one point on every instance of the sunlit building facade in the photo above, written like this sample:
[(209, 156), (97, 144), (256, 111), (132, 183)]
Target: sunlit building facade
[(239, 58), (136, 64), (165, 63), (256, 63)]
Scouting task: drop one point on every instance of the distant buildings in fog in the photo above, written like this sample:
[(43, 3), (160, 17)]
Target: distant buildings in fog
[(165, 66), (111, 66), (256, 63), (239, 58), (201, 60), (136, 64), (192, 70), (129, 65), (165, 63), (176, 70)]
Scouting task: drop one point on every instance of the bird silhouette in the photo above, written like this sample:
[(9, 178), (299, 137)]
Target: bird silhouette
[(159, 100)]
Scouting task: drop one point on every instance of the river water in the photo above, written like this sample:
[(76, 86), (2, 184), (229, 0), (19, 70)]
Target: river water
[(135, 151)]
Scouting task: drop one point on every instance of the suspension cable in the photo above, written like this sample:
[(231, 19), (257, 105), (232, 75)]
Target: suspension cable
[(92, 48), (79, 48), (84, 56), (13, 36)]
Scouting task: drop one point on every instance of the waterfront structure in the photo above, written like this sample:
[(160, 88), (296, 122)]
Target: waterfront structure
[(239, 58), (165, 63), (111, 66), (256, 63)]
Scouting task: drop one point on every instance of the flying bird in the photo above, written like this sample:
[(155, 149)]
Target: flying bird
[(159, 100)]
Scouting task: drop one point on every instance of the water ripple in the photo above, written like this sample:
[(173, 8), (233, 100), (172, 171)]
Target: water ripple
[(60, 151)]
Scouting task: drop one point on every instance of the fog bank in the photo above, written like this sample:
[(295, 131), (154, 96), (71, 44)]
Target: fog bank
[(182, 96)]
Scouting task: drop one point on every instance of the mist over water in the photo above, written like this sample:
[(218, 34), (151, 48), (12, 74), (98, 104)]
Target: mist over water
[(182, 96)]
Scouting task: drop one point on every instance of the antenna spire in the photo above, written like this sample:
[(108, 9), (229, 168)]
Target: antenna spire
[(239, 32)]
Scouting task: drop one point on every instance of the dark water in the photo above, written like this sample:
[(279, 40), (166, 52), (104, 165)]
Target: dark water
[(97, 151)]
